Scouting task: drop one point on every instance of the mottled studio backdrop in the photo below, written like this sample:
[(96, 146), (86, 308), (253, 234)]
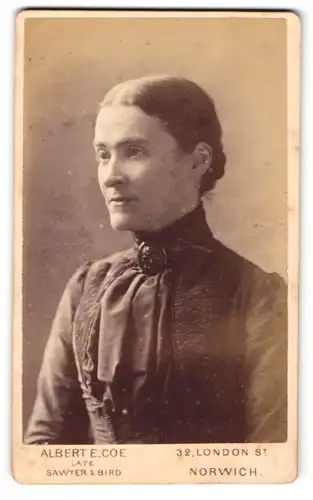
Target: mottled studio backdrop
[(69, 66)]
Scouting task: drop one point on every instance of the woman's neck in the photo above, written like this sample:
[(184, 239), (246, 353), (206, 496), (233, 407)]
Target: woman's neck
[(190, 226)]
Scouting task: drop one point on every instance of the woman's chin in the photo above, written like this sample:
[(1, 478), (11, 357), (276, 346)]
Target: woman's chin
[(128, 222), (122, 222)]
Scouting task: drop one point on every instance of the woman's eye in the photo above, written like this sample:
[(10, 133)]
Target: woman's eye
[(134, 152), (103, 155)]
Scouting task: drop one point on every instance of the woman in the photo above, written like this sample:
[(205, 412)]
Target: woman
[(178, 339)]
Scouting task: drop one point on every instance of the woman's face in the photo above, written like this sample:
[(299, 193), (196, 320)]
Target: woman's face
[(145, 178)]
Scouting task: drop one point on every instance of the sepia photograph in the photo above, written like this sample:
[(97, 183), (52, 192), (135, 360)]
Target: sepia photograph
[(156, 251)]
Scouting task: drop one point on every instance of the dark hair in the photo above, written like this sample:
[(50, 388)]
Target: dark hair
[(187, 112)]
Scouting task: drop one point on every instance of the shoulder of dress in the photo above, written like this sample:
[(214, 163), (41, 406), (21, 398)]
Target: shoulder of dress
[(96, 268), (249, 268), (251, 277), (107, 262), (260, 286), (258, 277)]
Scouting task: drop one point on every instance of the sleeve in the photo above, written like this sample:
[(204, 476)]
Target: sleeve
[(59, 415), (266, 360)]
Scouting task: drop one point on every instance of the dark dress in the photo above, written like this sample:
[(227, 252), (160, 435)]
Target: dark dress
[(176, 340)]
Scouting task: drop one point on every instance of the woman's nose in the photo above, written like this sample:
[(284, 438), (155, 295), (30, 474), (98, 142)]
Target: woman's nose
[(111, 174)]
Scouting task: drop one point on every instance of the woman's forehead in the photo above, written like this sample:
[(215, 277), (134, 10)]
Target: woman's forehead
[(118, 123)]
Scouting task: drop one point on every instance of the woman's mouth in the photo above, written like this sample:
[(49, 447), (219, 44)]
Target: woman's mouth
[(120, 201)]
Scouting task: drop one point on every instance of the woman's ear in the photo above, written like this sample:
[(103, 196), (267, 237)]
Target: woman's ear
[(202, 158)]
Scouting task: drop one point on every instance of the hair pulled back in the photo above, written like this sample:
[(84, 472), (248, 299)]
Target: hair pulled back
[(187, 112)]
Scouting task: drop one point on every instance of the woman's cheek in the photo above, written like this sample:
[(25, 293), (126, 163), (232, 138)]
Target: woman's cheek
[(142, 171)]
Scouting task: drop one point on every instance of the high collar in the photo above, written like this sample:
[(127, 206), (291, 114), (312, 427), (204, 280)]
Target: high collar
[(191, 228)]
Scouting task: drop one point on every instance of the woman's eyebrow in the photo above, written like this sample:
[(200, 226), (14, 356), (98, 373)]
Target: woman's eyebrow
[(125, 142)]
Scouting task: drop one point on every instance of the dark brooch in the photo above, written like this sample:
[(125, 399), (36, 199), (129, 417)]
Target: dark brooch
[(152, 259)]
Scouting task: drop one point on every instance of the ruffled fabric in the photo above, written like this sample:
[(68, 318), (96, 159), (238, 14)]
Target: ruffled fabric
[(130, 341)]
